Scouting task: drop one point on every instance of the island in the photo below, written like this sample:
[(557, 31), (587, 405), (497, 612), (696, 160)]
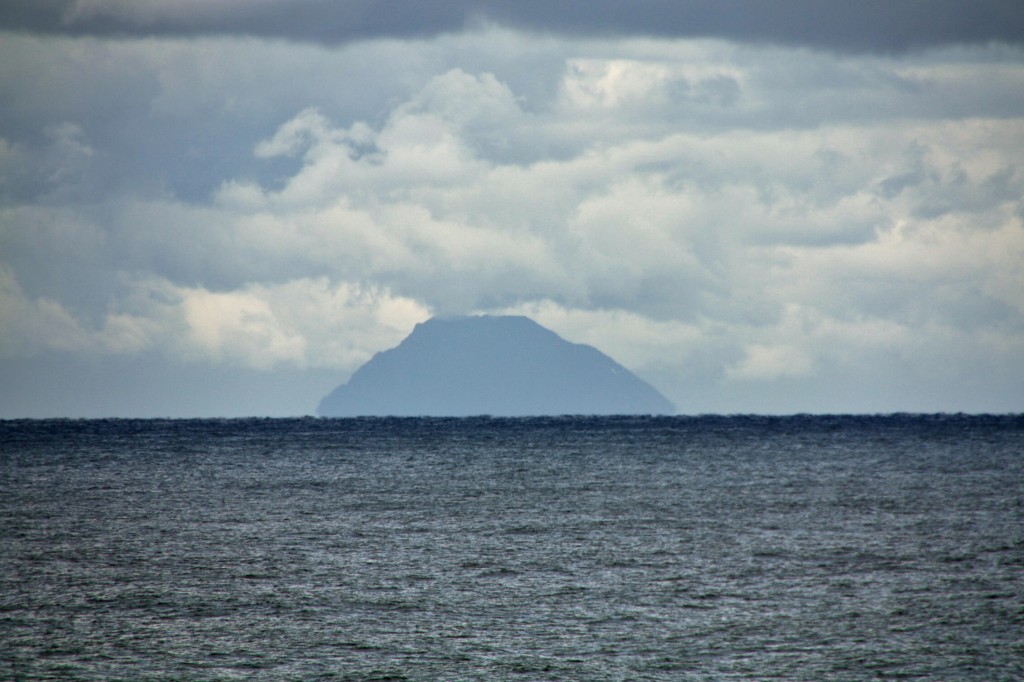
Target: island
[(491, 365)]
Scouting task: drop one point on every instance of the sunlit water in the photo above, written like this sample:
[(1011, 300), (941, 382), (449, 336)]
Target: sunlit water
[(805, 548)]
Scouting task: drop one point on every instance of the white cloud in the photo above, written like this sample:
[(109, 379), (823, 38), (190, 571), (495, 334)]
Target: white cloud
[(238, 327), (308, 130), (771, 362), (672, 203), (299, 323), (645, 85)]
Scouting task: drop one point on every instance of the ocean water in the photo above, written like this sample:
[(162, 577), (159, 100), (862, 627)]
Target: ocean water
[(676, 548)]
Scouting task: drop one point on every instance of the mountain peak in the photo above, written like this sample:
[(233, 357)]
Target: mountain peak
[(496, 365)]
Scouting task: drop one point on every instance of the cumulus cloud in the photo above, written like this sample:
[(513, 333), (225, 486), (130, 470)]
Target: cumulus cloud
[(723, 218), (302, 323)]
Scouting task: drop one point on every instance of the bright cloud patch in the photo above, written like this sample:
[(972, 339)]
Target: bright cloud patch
[(300, 323)]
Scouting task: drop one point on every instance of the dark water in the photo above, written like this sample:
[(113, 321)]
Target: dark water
[(805, 548)]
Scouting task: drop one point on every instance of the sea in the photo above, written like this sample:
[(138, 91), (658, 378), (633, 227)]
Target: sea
[(623, 548)]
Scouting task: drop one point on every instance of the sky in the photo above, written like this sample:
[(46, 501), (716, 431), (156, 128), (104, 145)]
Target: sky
[(220, 208)]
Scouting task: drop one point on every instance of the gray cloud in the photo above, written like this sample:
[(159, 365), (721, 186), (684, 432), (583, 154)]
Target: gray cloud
[(870, 25), (750, 227)]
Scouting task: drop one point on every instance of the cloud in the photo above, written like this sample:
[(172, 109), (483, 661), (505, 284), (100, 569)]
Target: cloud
[(770, 362), (730, 220), (36, 324), (299, 323), (872, 25)]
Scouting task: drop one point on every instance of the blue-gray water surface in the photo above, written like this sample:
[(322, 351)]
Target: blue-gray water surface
[(675, 548)]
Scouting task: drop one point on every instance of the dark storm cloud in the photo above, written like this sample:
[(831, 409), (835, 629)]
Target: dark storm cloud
[(303, 20), (871, 25)]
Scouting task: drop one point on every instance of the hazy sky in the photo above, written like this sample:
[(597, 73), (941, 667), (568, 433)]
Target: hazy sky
[(224, 207)]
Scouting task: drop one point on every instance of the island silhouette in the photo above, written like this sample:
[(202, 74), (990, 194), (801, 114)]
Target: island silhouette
[(491, 365)]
